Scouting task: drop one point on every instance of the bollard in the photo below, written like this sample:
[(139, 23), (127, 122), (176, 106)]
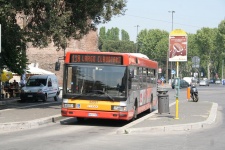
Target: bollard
[(188, 93)]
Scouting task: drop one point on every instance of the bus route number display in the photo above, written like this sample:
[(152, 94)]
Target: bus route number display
[(95, 58)]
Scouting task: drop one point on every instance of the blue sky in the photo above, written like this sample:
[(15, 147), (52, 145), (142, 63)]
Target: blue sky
[(190, 15)]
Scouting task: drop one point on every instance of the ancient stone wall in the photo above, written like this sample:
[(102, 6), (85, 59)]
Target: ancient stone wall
[(46, 57)]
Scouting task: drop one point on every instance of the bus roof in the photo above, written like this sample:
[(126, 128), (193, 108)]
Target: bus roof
[(139, 55), (128, 58)]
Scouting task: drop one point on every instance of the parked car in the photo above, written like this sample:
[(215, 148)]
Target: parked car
[(183, 84), (212, 81), (188, 79), (218, 81), (40, 87), (204, 83)]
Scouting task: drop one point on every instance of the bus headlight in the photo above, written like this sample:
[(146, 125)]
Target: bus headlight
[(65, 100), (119, 108)]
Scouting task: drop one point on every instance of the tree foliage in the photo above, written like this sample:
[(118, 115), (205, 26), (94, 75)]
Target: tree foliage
[(153, 43), (51, 21), (110, 41), (113, 34), (124, 35), (208, 44)]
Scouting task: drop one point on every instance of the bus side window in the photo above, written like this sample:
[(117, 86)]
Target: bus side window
[(131, 75), (135, 79)]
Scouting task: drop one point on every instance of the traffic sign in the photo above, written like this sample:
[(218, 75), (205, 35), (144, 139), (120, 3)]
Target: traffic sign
[(195, 62), (173, 72)]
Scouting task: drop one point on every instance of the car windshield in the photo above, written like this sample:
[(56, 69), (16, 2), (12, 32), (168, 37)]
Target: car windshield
[(101, 80), (36, 82)]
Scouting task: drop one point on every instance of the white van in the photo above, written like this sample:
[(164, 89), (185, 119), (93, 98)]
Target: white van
[(40, 87)]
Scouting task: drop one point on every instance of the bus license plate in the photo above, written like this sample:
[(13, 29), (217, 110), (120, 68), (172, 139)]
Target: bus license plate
[(29, 95), (92, 114)]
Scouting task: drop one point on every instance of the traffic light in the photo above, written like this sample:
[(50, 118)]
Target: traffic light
[(57, 66)]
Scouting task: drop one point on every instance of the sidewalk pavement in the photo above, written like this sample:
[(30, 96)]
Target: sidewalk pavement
[(26, 117), (189, 115), (8, 100)]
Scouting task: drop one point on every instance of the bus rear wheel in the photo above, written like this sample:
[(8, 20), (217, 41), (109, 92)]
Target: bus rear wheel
[(135, 112), (151, 104)]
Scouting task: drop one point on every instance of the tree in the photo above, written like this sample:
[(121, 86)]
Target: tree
[(109, 41), (154, 43), (51, 20), (13, 42), (118, 46), (206, 41), (191, 52), (221, 38), (113, 34), (124, 35)]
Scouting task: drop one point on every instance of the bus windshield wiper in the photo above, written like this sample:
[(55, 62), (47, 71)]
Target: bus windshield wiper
[(93, 92), (102, 92), (82, 94)]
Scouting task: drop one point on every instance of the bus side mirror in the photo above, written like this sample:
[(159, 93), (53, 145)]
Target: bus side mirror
[(57, 66), (131, 74)]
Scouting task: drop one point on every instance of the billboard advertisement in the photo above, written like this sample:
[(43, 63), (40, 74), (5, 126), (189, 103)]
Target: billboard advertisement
[(178, 45)]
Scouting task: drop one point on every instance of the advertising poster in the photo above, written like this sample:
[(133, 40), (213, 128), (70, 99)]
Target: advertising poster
[(178, 45)]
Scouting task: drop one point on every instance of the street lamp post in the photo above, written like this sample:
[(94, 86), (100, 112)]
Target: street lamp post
[(171, 64), (137, 39)]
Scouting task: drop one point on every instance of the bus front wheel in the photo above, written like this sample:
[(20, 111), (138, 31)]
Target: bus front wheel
[(79, 119)]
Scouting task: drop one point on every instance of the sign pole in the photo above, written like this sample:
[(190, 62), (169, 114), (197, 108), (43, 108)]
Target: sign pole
[(177, 53), (177, 100), (0, 62)]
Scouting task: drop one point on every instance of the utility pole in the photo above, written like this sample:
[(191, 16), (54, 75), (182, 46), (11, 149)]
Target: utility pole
[(137, 39), (171, 64)]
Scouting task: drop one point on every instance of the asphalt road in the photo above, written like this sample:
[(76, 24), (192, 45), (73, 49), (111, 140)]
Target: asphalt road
[(100, 134)]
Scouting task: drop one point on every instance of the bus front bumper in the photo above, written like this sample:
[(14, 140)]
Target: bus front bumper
[(97, 114)]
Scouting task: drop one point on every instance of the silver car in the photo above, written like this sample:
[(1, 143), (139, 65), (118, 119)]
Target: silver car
[(218, 81), (204, 83)]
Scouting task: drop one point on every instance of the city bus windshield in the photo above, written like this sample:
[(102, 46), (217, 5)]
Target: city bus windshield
[(100, 80)]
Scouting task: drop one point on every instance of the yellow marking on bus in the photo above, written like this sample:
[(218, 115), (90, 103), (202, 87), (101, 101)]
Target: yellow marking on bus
[(93, 104)]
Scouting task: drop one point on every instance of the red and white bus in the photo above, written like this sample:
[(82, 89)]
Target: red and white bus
[(108, 85)]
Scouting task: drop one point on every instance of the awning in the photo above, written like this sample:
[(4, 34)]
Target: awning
[(6, 75), (35, 70)]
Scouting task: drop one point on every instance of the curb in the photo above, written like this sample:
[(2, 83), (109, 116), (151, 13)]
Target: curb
[(181, 127), (30, 124), (4, 102)]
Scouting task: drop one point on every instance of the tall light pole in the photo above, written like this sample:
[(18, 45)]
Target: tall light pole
[(172, 17), (171, 65), (137, 38)]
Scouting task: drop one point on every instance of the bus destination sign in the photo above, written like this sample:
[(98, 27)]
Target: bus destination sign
[(95, 58)]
